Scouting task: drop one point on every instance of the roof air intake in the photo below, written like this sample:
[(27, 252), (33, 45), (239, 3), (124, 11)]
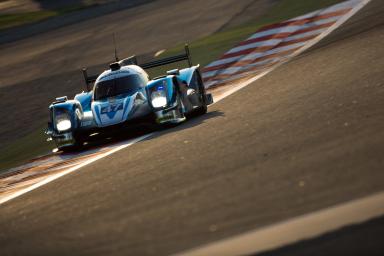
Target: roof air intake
[(114, 66)]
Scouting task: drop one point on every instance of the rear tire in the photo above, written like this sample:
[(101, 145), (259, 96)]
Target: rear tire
[(204, 108), (201, 110)]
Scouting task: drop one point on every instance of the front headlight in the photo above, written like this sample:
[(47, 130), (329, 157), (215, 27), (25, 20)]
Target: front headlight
[(158, 99), (63, 125), (63, 121)]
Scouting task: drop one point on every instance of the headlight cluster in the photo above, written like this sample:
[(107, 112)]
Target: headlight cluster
[(159, 99), (63, 120), (159, 96)]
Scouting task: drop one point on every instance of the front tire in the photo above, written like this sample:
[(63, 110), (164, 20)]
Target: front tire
[(77, 145), (180, 117)]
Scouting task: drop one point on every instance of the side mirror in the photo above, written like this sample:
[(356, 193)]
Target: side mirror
[(61, 99)]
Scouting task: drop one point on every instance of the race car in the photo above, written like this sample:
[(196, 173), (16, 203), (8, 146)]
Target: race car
[(123, 96)]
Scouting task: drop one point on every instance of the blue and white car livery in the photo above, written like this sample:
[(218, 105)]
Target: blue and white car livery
[(123, 96)]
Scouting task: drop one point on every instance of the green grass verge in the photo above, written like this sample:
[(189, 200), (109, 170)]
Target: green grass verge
[(204, 50), (210, 48), (17, 19), (24, 149)]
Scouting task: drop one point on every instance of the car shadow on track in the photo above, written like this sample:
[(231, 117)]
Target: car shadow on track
[(101, 141), (359, 239), (190, 123)]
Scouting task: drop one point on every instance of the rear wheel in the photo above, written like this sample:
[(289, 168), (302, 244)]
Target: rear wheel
[(203, 108)]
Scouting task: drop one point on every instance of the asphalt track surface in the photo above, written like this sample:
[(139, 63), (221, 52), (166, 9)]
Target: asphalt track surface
[(306, 136), (363, 239), (40, 68)]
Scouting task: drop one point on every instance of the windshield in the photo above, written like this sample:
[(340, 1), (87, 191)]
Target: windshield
[(122, 85)]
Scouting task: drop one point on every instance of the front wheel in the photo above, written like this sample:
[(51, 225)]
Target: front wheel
[(178, 113), (75, 145)]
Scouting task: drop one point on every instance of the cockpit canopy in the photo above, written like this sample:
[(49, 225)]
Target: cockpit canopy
[(127, 85)]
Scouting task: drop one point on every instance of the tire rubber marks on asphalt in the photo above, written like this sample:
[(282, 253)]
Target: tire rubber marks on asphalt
[(48, 168)]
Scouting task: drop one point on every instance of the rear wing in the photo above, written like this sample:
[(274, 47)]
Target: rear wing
[(176, 58), (88, 79), (133, 61)]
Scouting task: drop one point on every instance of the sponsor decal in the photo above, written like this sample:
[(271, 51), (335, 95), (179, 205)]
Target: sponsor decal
[(86, 123), (111, 108)]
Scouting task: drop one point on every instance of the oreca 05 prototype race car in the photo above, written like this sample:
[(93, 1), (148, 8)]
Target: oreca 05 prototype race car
[(123, 96)]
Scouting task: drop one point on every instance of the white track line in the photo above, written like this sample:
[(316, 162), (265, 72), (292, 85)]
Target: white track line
[(269, 42), (274, 42), (217, 99), (296, 229), (293, 28), (72, 169), (235, 69), (305, 47), (252, 56), (335, 8), (306, 226)]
